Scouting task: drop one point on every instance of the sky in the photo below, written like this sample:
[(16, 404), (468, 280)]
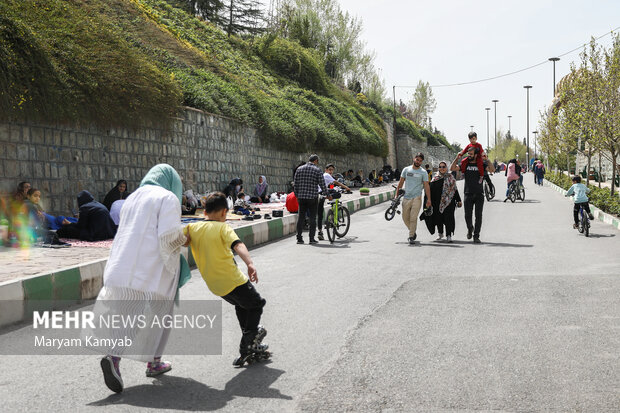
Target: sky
[(450, 41)]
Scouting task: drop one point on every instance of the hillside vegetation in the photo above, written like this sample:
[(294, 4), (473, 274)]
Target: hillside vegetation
[(137, 62)]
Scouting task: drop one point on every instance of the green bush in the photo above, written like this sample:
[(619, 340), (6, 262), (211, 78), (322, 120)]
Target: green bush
[(294, 62), (599, 197), (404, 125), (130, 63)]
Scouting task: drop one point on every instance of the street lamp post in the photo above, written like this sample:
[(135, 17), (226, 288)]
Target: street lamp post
[(487, 109), (509, 125), (472, 127), (495, 136), (527, 145), (535, 142), (554, 59)]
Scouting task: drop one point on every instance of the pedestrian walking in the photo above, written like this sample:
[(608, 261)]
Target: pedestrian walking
[(415, 179), (444, 199), (474, 196), (144, 272), (308, 180)]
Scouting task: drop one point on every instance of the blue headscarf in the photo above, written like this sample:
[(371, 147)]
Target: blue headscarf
[(165, 176)]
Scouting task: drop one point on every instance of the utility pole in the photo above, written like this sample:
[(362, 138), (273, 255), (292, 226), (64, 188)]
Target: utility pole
[(495, 103), (527, 145), (487, 109)]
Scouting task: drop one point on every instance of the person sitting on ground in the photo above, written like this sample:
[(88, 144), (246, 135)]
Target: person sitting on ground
[(186, 206), (116, 193), (39, 216), (234, 187), (115, 211), (473, 142), (359, 179), (241, 207), (261, 191), (94, 221), (580, 192), (21, 194), (373, 178)]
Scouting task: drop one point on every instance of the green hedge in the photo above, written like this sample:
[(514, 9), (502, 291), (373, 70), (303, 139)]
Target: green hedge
[(599, 197), (134, 62)]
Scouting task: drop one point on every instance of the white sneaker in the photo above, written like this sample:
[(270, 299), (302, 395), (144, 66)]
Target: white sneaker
[(449, 238), (440, 237)]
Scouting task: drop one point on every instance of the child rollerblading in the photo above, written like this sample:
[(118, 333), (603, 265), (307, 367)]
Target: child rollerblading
[(212, 243)]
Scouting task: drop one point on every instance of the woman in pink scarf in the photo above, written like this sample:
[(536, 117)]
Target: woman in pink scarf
[(511, 175)]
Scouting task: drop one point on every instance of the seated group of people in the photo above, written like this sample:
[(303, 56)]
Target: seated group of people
[(28, 222)]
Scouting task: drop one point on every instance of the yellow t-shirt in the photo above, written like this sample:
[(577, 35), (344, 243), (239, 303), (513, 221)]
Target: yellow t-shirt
[(211, 243)]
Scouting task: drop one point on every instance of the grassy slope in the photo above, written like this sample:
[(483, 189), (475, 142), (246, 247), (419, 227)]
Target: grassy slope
[(131, 61)]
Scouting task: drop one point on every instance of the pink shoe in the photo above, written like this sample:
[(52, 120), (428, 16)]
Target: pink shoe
[(157, 367)]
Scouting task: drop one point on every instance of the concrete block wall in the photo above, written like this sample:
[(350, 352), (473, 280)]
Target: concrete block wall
[(207, 150)]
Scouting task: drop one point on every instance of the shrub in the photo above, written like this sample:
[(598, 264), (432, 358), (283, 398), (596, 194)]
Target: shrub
[(404, 125), (599, 197)]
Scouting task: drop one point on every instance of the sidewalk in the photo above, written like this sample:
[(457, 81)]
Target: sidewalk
[(76, 273)]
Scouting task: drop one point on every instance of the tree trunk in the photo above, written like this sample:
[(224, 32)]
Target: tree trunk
[(613, 168), (600, 177), (230, 20), (588, 167), (568, 163)]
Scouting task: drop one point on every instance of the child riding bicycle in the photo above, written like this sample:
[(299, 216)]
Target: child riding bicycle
[(579, 190)]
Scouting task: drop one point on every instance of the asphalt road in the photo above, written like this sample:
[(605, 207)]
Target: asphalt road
[(527, 321)]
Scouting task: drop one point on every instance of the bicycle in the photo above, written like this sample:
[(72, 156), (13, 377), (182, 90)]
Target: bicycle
[(584, 222), (489, 190), (338, 220), (393, 208), (516, 191)]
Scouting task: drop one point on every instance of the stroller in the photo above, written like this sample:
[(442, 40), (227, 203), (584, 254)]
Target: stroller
[(393, 208)]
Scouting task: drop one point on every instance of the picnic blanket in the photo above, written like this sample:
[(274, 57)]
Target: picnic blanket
[(92, 244)]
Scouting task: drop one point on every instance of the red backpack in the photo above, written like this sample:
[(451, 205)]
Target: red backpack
[(291, 203)]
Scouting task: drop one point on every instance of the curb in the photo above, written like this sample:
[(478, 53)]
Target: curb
[(82, 282), (598, 214)]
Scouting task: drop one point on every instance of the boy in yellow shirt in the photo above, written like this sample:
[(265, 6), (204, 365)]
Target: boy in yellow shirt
[(212, 243)]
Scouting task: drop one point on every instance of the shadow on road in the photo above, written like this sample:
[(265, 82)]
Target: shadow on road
[(179, 393), (602, 235), (506, 244)]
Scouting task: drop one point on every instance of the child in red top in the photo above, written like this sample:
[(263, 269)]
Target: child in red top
[(473, 137)]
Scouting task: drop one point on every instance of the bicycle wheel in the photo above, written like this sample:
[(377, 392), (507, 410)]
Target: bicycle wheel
[(513, 196), (344, 221), (581, 222), (487, 193), (492, 191), (329, 226), (389, 213), (522, 193)]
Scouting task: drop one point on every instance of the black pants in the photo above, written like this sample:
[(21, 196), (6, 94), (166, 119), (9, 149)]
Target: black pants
[(309, 206), (69, 231), (472, 200), (249, 308), (586, 206)]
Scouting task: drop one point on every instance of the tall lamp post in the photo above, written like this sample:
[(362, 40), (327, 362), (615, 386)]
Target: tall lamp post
[(554, 59), (472, 127), (509, 125), (487, 109), (495, 103), (527, 145), (535, 142)]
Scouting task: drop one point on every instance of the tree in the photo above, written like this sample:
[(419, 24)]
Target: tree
[(244, 16), (210, 10), (423, 103)]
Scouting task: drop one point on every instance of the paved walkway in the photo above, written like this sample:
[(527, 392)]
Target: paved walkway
[(527, 321)]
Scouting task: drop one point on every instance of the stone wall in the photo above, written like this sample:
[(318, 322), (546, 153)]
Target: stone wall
[(408, 147), (207, 150)]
